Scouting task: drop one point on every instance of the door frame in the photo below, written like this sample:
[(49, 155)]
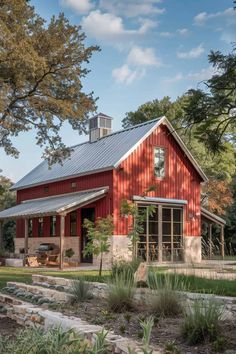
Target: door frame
[(160, 207), (90, 257)]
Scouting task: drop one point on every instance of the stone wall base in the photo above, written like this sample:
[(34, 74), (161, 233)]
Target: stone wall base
[(34, 242), (192, 249)]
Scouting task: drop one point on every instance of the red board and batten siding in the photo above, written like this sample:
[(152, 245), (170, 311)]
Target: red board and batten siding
[(136, 173), (103, 206)]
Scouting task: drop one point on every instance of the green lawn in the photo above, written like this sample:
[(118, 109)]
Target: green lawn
[(25, 274), (194, 284)]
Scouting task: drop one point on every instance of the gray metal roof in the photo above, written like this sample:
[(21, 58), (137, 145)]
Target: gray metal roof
[(90, 157), (213, 217), (53, 205), (104, 154)]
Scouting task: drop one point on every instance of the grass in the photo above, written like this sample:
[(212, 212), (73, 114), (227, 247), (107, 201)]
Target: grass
[(195, 284)]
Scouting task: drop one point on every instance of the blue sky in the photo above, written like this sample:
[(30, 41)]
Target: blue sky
[(149, 49)]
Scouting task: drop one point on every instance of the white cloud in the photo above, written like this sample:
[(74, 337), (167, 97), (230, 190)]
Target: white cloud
[(110, 28), (202, 75), (175, 78), (192, 54), (80, 6), (143, 57), (126, 75), (183, 31), (166, 34), (131, 8), (202, 17)]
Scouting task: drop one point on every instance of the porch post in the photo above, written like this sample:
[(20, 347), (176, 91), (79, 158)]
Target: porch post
[(26, 236), (210, 241), (222, 240), (160, 233), (26, 239), (62, 235), (1, 234)]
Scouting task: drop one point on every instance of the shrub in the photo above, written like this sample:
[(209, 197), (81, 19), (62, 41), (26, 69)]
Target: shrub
[(202, 322), (69, 253), (121, 292), (54, 341), (166, 299), (125, 267), (80, 290)]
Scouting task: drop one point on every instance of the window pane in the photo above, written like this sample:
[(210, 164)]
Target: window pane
[(166, 228), (53, 221), (40, 227), (159, 162), (73, 223), (153, 228), (166, 214), (154, 216), (177, 228), (177, 215)]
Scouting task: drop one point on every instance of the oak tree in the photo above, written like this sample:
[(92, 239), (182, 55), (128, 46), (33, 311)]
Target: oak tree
[(41, 70)]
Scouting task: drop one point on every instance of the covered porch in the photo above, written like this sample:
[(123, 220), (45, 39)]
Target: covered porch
[(58, 207), (212, 244)]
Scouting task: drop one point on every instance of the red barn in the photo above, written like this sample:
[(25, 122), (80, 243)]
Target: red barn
[(53, 203)]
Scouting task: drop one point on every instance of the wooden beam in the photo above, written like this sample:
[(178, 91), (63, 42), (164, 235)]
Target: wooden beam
[(1, 234), (159, 233), (26, 239), (210, 240), (62, 235), (222, 241)]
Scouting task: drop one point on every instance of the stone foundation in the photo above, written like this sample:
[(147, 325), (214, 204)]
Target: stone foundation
[(192, 249), (34, 242)]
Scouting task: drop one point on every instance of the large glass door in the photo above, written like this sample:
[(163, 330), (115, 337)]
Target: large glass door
[(162, 235)]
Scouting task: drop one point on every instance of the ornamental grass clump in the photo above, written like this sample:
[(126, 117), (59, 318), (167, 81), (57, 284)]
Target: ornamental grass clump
[(54, 341), (166, 298), (81, 290), (201, 322), (121, 291)]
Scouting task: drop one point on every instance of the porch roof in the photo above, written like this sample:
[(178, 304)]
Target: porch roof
[(55, 205), (212, 217)]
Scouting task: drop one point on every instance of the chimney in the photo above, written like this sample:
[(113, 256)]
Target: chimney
[(99, 126)]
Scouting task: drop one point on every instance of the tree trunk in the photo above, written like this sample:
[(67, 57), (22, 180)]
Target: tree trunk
[(100, 268)]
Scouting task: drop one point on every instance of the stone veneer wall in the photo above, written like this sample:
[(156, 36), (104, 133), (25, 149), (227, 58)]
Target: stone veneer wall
[(192, 249), (34, 242)]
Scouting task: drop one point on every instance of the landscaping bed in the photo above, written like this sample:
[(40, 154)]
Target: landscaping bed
[(166, 331), (8, 327)]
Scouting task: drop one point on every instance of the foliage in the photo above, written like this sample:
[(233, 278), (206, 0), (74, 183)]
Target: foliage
[(41, 68), (202, 322), (7, 200), (212, 112), (69, 253), (166, 300), (99, 234), (171, 348), (80, 289), (230, 228), (130, 209), (121, 291), (54, 341), (125, 267), (217, 196), (147, 326)]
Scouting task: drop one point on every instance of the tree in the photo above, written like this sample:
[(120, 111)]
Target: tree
[(7, 200), (212, 111), (138, 216), (41, 68), (99, 234)]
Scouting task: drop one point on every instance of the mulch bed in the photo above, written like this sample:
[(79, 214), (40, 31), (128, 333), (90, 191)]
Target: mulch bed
[(165, 329), (8, 327)]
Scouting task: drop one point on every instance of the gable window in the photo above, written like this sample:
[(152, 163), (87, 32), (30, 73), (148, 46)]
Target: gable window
[(73, 185), (40, 227), (46, 189), (30, 227), (159, 162), (53, 224), (73, 223)]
